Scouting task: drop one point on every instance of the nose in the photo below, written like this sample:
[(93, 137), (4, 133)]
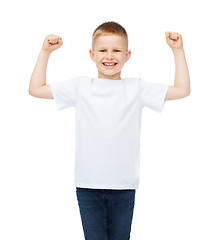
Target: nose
[(109, 55)]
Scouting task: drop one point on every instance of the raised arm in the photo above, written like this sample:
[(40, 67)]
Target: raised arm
[(181, 86), (38, 87)]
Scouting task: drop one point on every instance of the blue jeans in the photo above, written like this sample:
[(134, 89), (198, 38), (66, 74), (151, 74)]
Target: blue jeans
[(106, 214)]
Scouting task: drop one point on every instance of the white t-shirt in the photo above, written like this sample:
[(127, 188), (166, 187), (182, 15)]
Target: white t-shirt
[(108, 123)]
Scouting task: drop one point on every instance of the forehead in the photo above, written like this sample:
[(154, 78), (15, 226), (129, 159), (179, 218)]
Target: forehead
[(110, 41)]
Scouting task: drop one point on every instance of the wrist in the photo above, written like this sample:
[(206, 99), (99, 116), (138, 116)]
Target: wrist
[(45, 52), (178, 51)]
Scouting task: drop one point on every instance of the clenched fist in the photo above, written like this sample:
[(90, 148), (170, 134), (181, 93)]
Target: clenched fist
[(174, 40), (52, 42)]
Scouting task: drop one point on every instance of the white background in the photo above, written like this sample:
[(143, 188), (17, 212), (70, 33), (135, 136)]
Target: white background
[(177, 193)]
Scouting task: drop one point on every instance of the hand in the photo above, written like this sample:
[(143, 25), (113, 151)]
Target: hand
[(52, 42), (174, 40)]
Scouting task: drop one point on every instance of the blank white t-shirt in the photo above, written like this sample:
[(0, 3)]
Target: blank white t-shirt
[(108, 123)]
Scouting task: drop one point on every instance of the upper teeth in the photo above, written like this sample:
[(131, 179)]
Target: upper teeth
[(109, 64)]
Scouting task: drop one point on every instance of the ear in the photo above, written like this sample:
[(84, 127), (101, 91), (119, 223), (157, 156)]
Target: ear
[(128, 54), (91, 53)]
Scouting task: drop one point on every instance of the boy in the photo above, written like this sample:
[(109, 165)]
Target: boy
[(108, 114)]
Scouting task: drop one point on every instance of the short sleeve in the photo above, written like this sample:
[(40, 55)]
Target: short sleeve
[(65, 93), (152, 95)]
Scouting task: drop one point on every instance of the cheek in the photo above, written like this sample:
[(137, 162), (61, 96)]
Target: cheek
[(121, 60), (98, 58)]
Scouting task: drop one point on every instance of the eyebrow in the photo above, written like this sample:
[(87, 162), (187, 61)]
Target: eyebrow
[(112, 48)]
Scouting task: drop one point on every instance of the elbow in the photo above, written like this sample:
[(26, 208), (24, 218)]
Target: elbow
[(30, 92), (183, 94), (187, 93)]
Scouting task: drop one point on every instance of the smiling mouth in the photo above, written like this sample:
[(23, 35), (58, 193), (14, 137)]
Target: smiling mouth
[(107, 64)]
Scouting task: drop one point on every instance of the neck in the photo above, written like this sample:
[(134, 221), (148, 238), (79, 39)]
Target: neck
[(112, 77)]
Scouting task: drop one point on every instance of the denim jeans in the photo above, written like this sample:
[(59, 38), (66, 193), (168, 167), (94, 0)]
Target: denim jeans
[(106, 214)]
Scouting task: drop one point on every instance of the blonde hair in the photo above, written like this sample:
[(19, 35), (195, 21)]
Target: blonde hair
[(109, 28)]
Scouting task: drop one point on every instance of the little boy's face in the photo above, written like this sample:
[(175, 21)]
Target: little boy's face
[(110, 55)]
